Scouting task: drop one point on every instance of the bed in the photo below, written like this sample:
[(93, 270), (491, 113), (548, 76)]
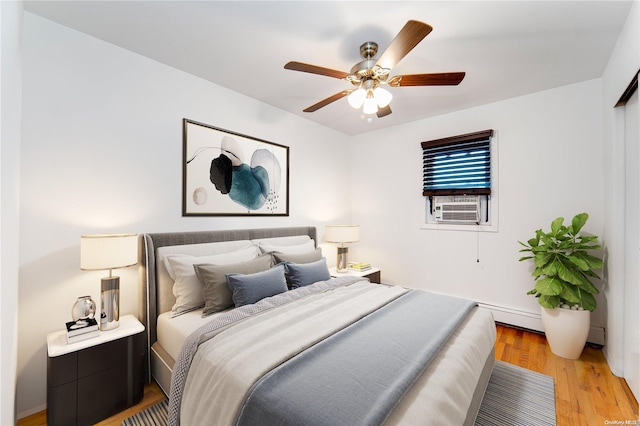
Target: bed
[(320, 350)]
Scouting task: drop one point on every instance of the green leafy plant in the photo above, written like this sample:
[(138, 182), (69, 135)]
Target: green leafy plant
[(564, 267)]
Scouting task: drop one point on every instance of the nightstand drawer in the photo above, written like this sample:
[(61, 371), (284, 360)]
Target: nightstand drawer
[(62, 404), (62, 369), (102, 357), (102, 394)]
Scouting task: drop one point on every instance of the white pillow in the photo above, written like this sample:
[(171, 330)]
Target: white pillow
[(202, 249), (187, 289), (307, 247), (165, 281)]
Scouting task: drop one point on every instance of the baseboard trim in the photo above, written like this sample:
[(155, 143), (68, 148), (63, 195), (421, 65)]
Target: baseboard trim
[(533, 321), (30, 412)]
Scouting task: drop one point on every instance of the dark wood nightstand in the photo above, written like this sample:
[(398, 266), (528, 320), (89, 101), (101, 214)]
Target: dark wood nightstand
[(373, 274), (90, 380)]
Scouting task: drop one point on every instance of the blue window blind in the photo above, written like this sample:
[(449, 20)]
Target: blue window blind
[(457, 165)]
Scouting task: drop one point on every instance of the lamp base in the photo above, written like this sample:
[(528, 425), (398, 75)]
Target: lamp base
[(110, 303), (341, 264)]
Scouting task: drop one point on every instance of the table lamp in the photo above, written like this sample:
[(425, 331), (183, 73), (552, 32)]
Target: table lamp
[(108, 251), (342, 234)]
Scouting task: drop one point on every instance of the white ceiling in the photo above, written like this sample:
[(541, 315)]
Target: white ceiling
[(506, 48)]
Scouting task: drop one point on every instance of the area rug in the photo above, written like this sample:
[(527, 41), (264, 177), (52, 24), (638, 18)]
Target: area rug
[(517, 396), (156, 415), (514, 396)]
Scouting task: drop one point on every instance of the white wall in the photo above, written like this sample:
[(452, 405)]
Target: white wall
[(623, 64), (549, 164), (102, 152), (10, 90)]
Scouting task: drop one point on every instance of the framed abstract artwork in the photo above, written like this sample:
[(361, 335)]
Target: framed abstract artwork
[(230, 174)]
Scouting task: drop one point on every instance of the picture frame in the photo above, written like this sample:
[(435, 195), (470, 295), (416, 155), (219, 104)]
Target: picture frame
[(226, 173)]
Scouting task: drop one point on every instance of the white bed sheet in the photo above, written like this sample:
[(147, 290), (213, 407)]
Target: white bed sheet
[(172, 332)]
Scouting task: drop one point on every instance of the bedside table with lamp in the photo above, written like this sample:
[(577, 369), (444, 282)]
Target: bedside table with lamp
[(343, 234), (90, 380)]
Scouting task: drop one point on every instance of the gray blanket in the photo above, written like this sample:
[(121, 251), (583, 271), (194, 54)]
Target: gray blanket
[(358, 375)]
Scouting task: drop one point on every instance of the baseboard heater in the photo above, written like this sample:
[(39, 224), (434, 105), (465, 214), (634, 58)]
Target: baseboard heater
[(533, 321)]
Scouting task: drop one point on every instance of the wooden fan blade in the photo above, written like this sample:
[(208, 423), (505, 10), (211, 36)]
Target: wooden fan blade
[(436, 79), (383, 112), (327, 101), (314, 69), (409, 36)]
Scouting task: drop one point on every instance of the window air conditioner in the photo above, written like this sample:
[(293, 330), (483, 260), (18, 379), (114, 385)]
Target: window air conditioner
[(463, 210)]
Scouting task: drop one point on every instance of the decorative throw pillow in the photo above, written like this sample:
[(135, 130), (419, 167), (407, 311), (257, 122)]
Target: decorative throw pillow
[(250, 288), (187, 289), (302, 274), (309, 257), (215, 291)]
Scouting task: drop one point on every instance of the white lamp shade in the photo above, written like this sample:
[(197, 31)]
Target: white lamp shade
[(342, 233), (108, 251), (370, 106), (356, 98), (383, 97)]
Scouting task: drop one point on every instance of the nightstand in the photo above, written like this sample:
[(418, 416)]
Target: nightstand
[(90, 380), (373, 274)]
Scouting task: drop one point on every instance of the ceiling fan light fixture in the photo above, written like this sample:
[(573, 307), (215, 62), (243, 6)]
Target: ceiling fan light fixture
[(356, 98), (367, 75), (370, 105), (382, 96)]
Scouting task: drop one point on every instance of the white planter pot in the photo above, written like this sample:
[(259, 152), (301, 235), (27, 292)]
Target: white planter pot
[(566, 330)]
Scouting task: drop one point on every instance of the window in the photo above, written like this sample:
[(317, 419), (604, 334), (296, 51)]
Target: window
[(457, 179)]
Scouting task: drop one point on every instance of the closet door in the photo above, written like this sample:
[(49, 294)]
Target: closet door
[(632, 247)]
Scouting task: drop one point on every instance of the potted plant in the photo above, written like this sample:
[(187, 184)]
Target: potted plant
[(563, 287)]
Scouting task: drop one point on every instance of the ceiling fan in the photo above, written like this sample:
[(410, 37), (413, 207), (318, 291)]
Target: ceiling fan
[(369, 75)]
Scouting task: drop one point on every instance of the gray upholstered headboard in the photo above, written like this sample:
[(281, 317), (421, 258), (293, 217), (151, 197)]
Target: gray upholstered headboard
[(149, 243)]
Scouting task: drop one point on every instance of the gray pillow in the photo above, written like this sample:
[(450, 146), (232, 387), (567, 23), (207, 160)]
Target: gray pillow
[(250, 288), (302, 274), (313, 256), (215, 291)]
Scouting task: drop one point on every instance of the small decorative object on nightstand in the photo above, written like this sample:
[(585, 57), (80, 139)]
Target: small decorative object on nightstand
[(84, 325), (82, 329), (84, 307), (92, 379), (373, 274)]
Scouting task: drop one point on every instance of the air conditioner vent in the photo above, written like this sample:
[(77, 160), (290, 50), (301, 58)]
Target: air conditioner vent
[(465, 210)]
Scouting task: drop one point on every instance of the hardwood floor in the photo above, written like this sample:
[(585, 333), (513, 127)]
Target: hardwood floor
[(586, 391)]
